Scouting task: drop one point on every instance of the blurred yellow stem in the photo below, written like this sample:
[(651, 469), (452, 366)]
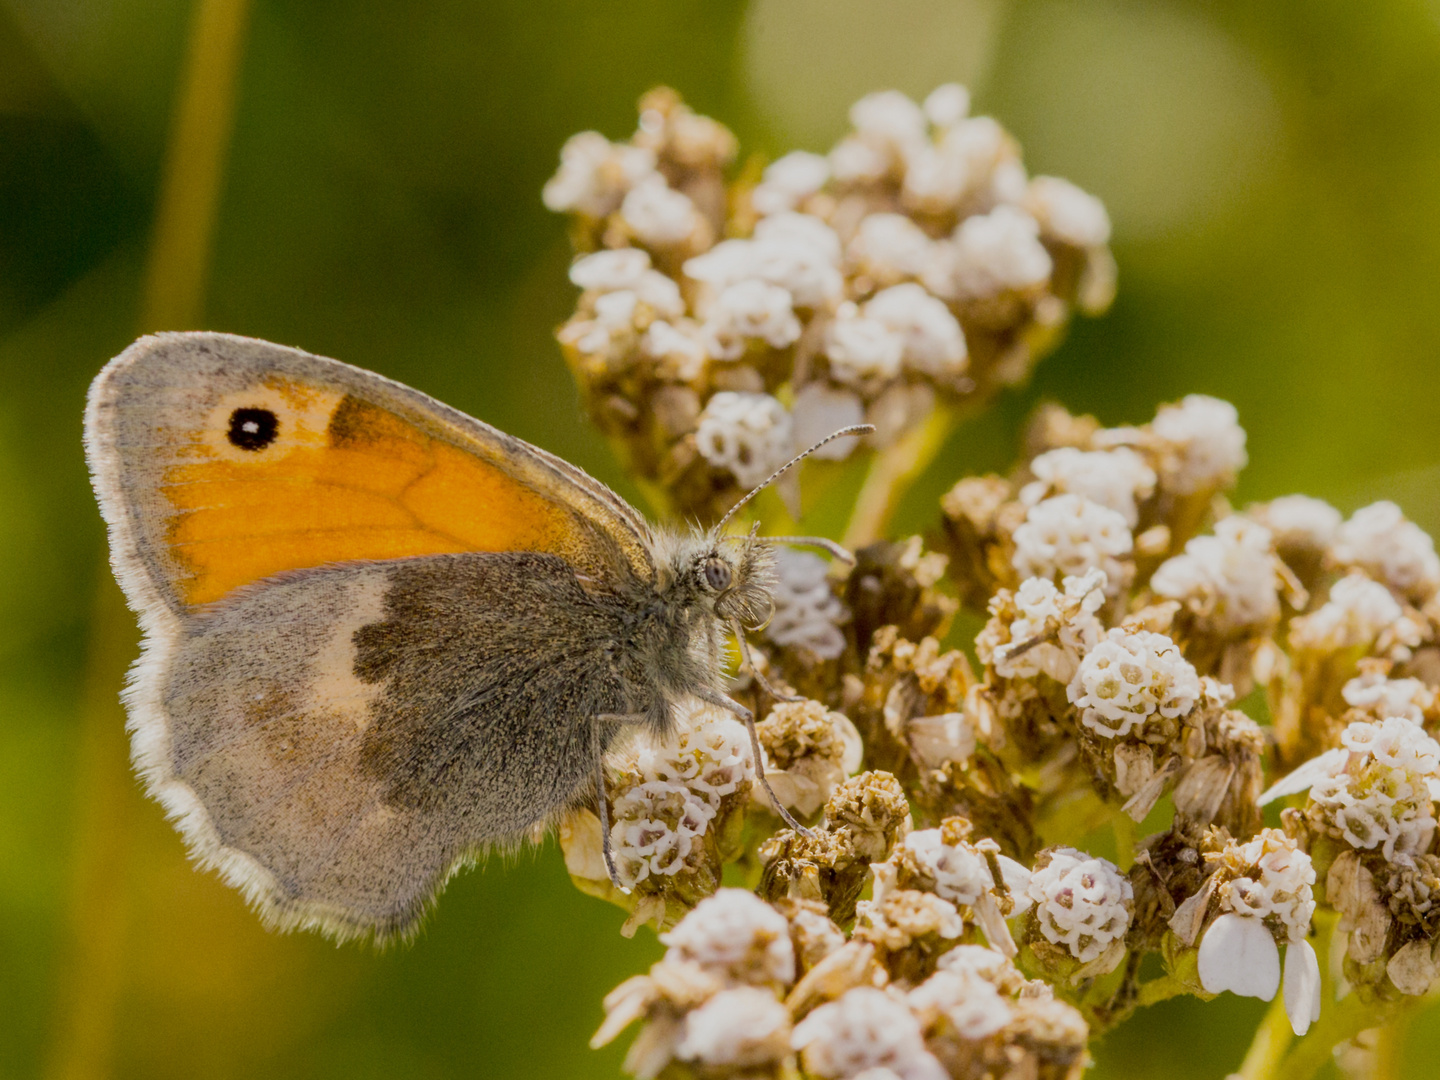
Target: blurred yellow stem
[(891, 474), (89, 988), (1389, 1046), (1267, 1048), (1339, 1020), (89, 984), (1124, 829), (194, 165)]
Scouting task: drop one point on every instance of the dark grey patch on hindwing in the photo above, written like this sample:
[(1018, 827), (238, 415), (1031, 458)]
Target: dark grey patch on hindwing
[(359, 729), (493, 667)]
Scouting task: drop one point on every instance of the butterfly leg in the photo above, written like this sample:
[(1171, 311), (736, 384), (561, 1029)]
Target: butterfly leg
[(603, 721), (749, 662), (602, 802), (748, 718)]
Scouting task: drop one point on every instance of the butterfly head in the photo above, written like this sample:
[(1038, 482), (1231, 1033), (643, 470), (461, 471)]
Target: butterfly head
[(729, 577)]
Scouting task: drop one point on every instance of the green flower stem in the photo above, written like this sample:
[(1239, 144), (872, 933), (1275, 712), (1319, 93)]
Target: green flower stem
[(91, 982), (892, 472), (1272, 1038), (1389, 1047), (1124, 829), (1338, 1021), (195, 158), (1161, 989)]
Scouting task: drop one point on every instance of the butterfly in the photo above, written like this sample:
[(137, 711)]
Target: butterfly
[(381, 637)]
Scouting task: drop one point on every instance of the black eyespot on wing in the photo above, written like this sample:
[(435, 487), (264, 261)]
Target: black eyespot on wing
[(253, 429)]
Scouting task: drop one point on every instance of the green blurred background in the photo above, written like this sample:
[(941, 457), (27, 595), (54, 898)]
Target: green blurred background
[(1273, 172)]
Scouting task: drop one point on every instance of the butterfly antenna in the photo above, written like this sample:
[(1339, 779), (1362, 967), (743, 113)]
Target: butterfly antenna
[(841, 553), (855, 429)]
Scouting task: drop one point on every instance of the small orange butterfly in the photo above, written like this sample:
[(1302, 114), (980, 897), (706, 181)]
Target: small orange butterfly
[(381, 636)]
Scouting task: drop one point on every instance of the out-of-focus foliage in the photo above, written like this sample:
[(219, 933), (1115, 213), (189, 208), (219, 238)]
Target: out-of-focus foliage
[(1273, 172)]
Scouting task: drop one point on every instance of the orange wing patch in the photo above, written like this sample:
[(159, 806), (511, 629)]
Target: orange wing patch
[(287, 476)]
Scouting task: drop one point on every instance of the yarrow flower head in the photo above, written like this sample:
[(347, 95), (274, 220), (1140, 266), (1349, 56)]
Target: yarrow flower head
[(1081, 903), (1358, 614), (1299, 522), (747, 435), (1117, 479), (672, 794), (1070, 535), (595, 174), (865, 1029), (1379, 795), (915, 267), (1129, 678), (1207, 444), (972, 1006), (974, 876), (728, 318), (742, 1028), (809, 750), (1381, 697), (1389, 548), (737, 937), (807, 612), (1227, 580), (1048, 629), (1263, 893)]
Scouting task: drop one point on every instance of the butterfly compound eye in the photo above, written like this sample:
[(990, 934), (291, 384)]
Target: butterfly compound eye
[(717, 574)]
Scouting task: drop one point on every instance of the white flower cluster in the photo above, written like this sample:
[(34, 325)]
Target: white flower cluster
[(712, 998), (863, 352), (1229, 580), (809, 750), (1067, 213), (749, 309), (622, 293), (1382, 542), (735, 936), (658, 822), (659, 216), (747, 434), (1382, 798), (889, 249), (1070, 535), (961, 871), (1206, 443), (1272, 902), (971, 1004), (1299, 522), (742, 1027), (1054, 629), (991, 254), (1130, 677), (1081, 902), (798, 253), (866, 1032), (1117, 479), (901, 271), (595, 174), (807, 612), (1279, 889), (1357, 614), (1382, 697), (788, 181)]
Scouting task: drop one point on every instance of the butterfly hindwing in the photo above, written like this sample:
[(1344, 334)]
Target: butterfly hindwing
[(345, 737)]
